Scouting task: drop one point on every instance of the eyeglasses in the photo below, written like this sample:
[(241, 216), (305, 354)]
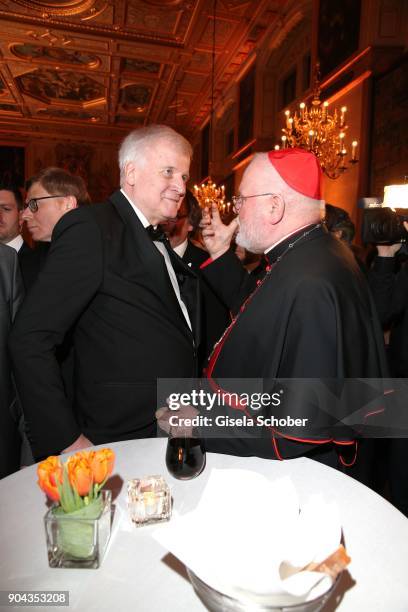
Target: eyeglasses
[(32, 204), (237, 201)]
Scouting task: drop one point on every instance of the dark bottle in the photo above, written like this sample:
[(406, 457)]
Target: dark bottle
[(185, 457)]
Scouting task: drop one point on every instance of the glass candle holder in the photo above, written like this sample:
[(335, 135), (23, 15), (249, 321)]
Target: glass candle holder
[(79, 539), (149, 500)]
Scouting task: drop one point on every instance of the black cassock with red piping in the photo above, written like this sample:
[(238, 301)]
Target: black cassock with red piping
[(311, 316)]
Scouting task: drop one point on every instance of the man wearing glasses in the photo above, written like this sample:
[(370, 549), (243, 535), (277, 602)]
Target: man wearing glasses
[(311, 316), (108, 274), (50, 194)]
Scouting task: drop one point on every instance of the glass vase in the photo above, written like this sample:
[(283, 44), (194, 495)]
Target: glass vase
[(79, 539)]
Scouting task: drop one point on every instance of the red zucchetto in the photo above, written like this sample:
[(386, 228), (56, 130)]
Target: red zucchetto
[(299, 169)]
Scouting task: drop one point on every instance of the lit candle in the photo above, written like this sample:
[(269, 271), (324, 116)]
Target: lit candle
[(311, 134), (284, 142), (302, 109), (290, 124), (354, 150), (325, 105), (149, 500), (277, 147), (343, 112), (150, 503)]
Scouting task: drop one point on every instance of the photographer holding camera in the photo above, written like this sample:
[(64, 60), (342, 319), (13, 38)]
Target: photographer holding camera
[(388, 279)]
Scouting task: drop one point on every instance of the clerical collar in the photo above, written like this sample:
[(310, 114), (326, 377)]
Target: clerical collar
[(279, 250)]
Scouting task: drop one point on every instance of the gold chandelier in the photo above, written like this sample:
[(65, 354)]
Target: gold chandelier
[(316, 130), (208, 194)]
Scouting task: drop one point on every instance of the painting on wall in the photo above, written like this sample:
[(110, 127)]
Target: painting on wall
[(246, 108), (338, 32), (12, 165), (288, 89), (389, 134)]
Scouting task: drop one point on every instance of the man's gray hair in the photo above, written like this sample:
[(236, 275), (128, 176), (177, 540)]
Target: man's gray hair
[(134, 146)]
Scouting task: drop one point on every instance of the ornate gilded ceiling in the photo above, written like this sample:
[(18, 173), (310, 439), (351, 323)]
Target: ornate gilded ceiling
[(121, 63)]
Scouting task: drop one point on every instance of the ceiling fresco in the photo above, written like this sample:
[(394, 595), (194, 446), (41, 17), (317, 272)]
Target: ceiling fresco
[(124, 62), (135, 97), (61, 8), (67, 114), (139, 65), (54, 54), (46, 84)]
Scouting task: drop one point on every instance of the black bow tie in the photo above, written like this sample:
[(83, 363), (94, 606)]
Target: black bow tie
[(157, 234)]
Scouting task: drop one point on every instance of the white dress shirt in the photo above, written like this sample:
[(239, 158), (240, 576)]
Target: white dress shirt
[(180, 249), (160, 247), (16, 243)]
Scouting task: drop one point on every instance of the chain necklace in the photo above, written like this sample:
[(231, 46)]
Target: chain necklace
[(292, 244), (269, 269)]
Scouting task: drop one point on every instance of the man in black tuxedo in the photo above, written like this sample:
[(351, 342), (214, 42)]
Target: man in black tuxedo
[(11, 296), (134, 323), (214, 314)]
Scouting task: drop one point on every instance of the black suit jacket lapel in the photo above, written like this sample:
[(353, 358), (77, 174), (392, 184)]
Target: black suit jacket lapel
[(190, 292), (157, 277)]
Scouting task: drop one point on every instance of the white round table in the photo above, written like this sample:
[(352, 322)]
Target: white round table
[(137, 574)]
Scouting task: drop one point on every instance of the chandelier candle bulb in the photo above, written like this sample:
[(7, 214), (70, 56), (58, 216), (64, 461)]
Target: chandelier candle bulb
[(354, 150), (343, 113)]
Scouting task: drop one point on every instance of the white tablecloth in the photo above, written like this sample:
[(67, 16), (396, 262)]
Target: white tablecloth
[(138, 575)]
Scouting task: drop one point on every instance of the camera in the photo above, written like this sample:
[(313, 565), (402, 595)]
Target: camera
[(381, 224)]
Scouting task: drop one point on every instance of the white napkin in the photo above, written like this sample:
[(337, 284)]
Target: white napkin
[(242, 530)]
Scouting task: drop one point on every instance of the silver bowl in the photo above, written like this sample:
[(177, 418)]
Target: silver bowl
[(219, 602)]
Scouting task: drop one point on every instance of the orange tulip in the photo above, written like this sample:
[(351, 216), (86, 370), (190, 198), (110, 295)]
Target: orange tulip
[(49, 473), (101, 463), (80, 473)]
